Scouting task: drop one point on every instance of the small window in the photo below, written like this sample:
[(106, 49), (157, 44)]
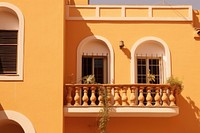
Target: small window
[(149, 65), (11, 42), (8, 51), (96, 65)]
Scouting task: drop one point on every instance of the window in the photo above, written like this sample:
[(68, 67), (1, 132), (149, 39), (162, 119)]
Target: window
[(11, 42), (96, 66), (146, 66), (8, 51), (95, 56), (150, 55)]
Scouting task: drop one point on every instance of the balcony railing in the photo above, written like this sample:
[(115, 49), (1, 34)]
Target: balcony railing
[(132, 99)]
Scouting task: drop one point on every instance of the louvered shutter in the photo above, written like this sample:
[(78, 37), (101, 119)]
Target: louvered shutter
[(8, 51)]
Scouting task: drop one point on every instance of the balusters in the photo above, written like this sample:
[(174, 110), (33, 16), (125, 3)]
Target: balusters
[(132, 96), (157, 96), (109, 95), (93, 97), (149, 97), (100, 98), (77, 96), (116, 96), (124, 96), (141, 96), (164, 97), (85, 96), (172, 98), (69, 97)]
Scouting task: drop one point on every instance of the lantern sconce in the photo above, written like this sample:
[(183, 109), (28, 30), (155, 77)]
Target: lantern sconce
[(197, 33), (121, 44)]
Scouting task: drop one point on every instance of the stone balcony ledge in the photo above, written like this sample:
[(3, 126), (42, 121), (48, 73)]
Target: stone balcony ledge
[(126, 100)]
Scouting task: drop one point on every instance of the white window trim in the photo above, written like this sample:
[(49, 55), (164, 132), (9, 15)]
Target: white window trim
[(20, 43), (110, 57), (166, 58)]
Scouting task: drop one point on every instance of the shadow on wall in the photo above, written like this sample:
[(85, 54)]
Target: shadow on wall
[(196, 16), (126, 52), (2, 114), (188, 121), (195, 109), (75, 32), (7, 125), (196, 21)]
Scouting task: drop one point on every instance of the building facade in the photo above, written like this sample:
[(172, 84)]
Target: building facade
[(47, 50)]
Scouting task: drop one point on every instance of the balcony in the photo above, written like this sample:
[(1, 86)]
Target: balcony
[(126, 100)]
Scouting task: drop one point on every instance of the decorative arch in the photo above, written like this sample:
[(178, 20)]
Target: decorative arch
[(80, 49), (22, 120), (166, 56), (20, 40)]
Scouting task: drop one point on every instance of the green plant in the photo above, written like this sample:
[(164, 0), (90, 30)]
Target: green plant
[(176, 83), (104, 112), (89, 79), (150, 77)]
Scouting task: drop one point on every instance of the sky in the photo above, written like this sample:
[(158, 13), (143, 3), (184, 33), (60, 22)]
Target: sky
[(195, 3)]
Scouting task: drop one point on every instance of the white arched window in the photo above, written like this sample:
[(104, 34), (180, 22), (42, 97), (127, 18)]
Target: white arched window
[(95, 56), (11, 42), (150, 56)]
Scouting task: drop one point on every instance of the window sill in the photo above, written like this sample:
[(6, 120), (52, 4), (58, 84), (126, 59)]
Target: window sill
[(10, 77)]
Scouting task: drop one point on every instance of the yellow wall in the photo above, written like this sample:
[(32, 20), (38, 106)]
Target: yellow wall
[(77, 2), (185, 54), (40, 95)]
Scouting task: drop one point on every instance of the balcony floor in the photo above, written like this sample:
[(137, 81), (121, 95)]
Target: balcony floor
[(124, 111)]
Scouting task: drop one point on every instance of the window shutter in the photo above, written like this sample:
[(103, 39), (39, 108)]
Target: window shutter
[(8, 51)]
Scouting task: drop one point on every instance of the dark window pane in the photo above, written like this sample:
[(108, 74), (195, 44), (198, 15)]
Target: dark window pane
[(86, 66), (141, 61), (141, 70), (98, 70), (8, 36), (8, 59), (154, 69)]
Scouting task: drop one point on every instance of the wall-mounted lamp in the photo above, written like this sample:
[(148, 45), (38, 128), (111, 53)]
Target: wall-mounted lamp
[(121, 44), (198, 32)]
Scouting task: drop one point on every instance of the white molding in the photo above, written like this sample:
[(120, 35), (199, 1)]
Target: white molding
[(122, 111), (20, 43), (22, 120), (166, 57), (110, 58), (126, 18)]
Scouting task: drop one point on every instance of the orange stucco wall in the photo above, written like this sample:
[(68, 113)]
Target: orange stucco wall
[(179, 37), (39, 96), (50, 46)]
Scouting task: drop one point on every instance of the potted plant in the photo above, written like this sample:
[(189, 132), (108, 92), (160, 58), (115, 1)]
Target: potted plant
[(176, 84), (89, 79)]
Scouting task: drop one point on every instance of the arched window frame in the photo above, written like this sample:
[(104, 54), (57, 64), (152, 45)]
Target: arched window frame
[(166, 58), (20, 43), (110, 57), (21, 119)]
